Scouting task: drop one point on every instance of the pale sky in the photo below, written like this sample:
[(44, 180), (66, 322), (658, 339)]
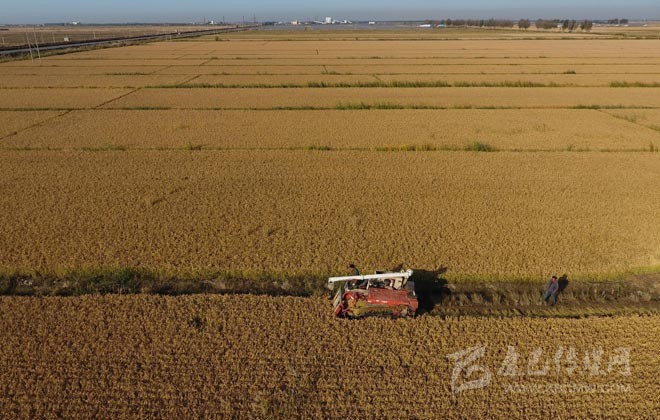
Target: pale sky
[(90, 11)]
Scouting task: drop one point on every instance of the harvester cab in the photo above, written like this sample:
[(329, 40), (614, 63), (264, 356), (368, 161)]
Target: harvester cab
[(383, 293)]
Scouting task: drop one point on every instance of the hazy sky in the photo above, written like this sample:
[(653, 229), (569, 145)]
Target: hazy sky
[(39, 11)]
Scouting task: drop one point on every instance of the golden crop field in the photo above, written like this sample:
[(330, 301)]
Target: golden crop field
[(503, 129), (184, 211), (13, 122), (411, 79), (647, 118), (267, 357), (89, 80), (264, 161), (63, 71), (318, 182), (389, 97), (57, 98)]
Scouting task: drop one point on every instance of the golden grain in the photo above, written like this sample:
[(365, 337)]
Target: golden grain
[(480, 214), (519, 129), (249, 356)]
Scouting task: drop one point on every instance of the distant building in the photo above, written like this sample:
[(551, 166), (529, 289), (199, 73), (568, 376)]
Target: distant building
[(372, 23), (328, 20), (295, 22)]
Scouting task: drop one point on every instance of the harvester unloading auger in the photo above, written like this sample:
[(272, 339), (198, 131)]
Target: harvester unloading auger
[(383, 293)]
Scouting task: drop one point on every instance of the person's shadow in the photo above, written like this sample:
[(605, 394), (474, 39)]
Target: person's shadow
[(562, 282)]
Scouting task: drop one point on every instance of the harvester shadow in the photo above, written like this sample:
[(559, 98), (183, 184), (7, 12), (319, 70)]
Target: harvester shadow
[(431, 289)]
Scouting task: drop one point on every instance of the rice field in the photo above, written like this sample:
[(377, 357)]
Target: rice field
[(57, 98), (310, 211), (117, 80), (298, 117), (487, 159), (258, 357), (378, 130), (13, 122), (477, 97)]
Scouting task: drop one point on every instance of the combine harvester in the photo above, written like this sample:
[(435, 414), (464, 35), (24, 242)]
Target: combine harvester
[(383, 293)]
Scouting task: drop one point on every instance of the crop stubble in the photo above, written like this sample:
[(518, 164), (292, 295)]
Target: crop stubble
[(128, 356)]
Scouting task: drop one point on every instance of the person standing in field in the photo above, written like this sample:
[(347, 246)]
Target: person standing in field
[(551, 291), (354, 270)]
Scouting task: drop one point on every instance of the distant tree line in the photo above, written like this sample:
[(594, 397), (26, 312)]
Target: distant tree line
[(569, 25), (487, 23), (617, 21), (565, 25)]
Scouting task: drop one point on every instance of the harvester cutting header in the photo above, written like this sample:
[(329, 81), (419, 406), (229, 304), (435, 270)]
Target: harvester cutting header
[(383, 293)]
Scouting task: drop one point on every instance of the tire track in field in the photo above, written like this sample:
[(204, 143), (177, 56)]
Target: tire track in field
[(115, 99), (188, 80), (37, 124), (630, 120)]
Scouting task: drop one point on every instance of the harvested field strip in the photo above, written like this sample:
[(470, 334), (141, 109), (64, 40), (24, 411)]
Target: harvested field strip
[(287, 211), (371, 130), (398, 97), (632, 292), (269, 357)]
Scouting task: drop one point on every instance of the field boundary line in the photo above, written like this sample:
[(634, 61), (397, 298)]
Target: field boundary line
[(37, 124), (153, 73), (186, 81), (366, 107), (311, 149), (114, 99), (620, 118)]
